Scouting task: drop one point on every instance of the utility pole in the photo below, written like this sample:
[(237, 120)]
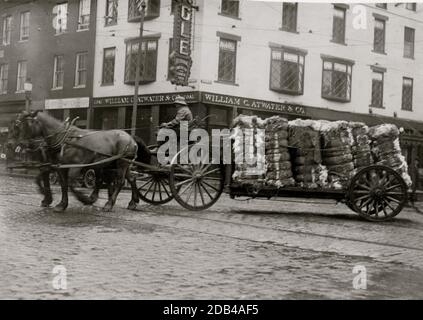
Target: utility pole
[(137, 72)]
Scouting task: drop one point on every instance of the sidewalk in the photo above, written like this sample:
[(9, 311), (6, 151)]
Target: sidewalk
[(22, 173)]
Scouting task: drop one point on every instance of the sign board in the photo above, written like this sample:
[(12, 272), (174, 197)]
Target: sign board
[(180, 56), (71, 103), (145, 100)]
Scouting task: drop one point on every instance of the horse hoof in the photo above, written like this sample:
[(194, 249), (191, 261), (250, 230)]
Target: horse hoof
[(59, 208), (132, 206), (107, 208)]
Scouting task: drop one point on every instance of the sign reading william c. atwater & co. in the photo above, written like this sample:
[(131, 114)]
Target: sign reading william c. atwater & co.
[(180, 56)]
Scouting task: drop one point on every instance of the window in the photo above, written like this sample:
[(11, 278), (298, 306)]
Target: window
[(338, 28), (24, 26), (407, 94), (227, 60), (289, 16), (7, 30), (336, 79), (21, 78), (111, 12), (230, 8), (168, 60), (382, 5), (287, 71), (173, 6), (81, 69), (148, 61), (377, 89), (4, 75), (411, 6), (58, 72), (379, 36), (408, 42), (152, 10), (109, 65), (60, 20), (84, 14)]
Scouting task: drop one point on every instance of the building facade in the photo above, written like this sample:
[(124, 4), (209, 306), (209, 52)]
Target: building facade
[(320, 61), (49, 44)]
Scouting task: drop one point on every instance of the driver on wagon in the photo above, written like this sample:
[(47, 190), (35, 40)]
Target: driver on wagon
[(183, 113)]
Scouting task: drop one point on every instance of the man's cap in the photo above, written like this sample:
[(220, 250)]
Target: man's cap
[(180, 100)]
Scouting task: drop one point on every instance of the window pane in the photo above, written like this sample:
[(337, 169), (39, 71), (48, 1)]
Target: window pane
[(108, 66), (289, 16), (84, 14), (377, 89), (148, 67), (227, 60), (407, 94), (7, 29), (230, 7), (336, 82), (408, 42), (287, 72), (111, 12), (61, 17), (4, 74), (379, 36), (21, 78), (339, 25), (24, 26)]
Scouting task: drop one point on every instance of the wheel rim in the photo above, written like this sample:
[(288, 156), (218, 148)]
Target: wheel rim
[(89, 179), (378, 193), (197, 187), (154, 187)]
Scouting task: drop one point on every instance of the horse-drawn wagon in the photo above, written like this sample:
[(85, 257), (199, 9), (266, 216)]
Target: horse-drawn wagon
[(376, 191)]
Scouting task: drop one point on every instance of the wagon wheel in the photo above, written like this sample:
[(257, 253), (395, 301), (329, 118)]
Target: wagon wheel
[(89, 178), (154, 187), (377, 193), (197, 187)]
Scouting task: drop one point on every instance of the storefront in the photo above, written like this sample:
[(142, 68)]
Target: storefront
[(71, 108)]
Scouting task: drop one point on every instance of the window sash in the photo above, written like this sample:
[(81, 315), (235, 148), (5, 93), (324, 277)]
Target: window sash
[(109, 57), (21, 78), (338, 31), (24, 26), (4, 75), (7, 30), (289, 16), (377, 90), (84, 14), (61, 17), (227, 60), (230, 8), (111, 12), (287, 72), (148, 67), (58, 72), (81, 69), (336, 84), (408, 42), (379, 36), (407, 94)]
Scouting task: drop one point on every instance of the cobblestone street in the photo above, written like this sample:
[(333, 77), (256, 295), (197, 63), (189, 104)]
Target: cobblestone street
[(254, 249)]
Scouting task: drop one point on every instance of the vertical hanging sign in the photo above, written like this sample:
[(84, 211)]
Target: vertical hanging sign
[(180, 56)]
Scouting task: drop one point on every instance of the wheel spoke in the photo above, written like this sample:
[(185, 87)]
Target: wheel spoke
[(211, 186), (148, 190), (363, 186), (182, 175), (366, 196), (154, 190), (213, 178), (207, 191), (201, 194), (160, 190), (211, 171), (195, 194), (189, 196), (186, 188), (393, 199), (366, 203), (184, 182), (388, 204), (164, 187), (151, 178)]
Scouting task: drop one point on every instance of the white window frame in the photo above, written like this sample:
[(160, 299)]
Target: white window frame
[(84, 5), (60, 22), (78, 70), (7, 30), (21, 78), (24, 26), (56, 73), (4, 78)]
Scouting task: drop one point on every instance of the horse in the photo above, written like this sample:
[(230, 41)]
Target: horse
[(74, 147), (42, 179)]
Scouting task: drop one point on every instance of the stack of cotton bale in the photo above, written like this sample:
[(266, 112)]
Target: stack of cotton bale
[(304, 138), (248, 147), (278, 160), (360, 149), (387, 151), (337, 155)]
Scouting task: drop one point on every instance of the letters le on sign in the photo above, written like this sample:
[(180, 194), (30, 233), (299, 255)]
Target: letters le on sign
[(180, 56)]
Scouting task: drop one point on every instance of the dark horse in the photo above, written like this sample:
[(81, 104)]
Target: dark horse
[(69, 145), (42, 180)]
